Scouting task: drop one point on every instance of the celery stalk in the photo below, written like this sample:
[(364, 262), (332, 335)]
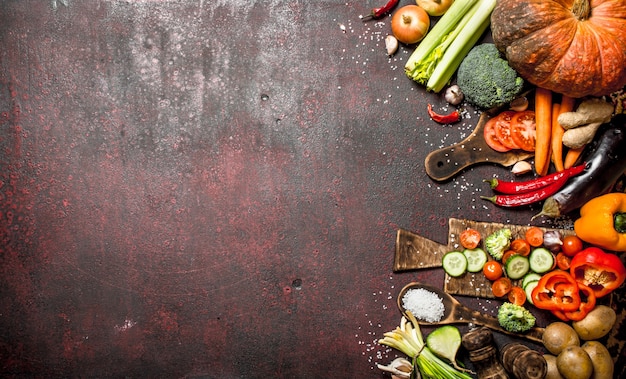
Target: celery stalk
[(462, 44), (422, 59)]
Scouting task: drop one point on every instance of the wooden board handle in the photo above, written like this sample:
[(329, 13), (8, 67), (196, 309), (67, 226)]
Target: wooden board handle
[(444, 163)]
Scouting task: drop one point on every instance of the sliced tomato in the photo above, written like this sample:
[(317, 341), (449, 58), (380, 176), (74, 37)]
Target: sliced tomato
[(563, 261), (492, 138), (520, 246), (501, 287), (523, 130), (517, 295), (503, 129), (470, 238)]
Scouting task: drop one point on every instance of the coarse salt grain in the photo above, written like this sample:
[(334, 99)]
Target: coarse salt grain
[(423, 304)]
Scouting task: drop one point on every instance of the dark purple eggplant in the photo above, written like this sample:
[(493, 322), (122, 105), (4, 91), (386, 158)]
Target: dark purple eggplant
[(606, 162)]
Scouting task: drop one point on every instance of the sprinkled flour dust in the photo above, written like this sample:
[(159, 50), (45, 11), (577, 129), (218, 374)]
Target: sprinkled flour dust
[(425, 305)]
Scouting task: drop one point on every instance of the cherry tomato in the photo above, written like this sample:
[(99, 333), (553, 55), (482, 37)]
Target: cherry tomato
[(491, 137), (517, 295), (534, 236), (563, 261), (507, 254), (571, 245), (410, 24), (520, 246), (503, 130), (492, 270), (470, 238), (501, 287), (523, 130)]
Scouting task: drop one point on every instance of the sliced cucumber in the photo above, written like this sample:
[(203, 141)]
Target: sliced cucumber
[(531, 276), (476, 259), (528, 288), (454, 263), (517, 266), (541, 260)]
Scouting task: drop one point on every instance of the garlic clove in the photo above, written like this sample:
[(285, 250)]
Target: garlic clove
[(391, 44), (521, 167)]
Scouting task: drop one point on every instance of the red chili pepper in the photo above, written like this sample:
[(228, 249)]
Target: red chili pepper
[(602, 272), (380, 12), (556, 291), (513, 188), (443, 118), (527, 197)]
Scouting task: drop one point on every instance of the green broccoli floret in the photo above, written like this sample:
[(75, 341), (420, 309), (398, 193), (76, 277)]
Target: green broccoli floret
[(486, 79), (515, 318), (498, 242)]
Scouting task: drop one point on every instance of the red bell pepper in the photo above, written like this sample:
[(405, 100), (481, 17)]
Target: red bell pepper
[(557, 291), (602, 272), (585, 306)]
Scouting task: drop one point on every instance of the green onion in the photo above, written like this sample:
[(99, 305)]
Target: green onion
[(408, 339)]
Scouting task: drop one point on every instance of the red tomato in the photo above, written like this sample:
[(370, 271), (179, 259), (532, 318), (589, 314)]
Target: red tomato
[(523, 130), (534, 236), (492, 270), (501, 287), (470, 238), (492, 138), (517, 295), (410, 24), (571, 245), (507, 254), (503, 129), (563, 261), (520, 246)]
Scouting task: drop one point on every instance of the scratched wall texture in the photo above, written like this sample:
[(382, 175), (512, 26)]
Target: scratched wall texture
[(210, 189)]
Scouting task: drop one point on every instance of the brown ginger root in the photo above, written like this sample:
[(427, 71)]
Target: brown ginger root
[(589, 111)]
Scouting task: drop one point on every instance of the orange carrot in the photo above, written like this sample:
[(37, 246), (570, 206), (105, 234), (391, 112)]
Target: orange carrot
[(567, 105), (556, 140), (572, 156), (543, 120)]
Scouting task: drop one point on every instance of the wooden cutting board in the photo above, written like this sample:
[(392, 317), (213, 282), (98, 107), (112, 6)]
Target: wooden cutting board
[(417, 252), (444, 163)]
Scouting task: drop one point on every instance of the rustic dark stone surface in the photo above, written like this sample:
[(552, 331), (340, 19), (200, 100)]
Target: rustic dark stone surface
[(212, 189)]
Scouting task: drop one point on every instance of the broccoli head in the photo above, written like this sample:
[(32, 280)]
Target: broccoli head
[(486, 79), (515, 318), (498, 242)]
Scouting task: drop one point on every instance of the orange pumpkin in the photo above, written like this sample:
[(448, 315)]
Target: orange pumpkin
[(573, 47)]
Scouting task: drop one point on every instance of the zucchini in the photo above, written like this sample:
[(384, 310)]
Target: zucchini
[(517, 266), (605, 157), (541, 260), (476, 259), (454, 263)]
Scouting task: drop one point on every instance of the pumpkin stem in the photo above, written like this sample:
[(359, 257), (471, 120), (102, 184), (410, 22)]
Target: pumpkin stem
[(581, 9)]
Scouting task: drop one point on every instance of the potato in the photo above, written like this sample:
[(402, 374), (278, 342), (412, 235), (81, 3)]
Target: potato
[(597, 324), (559, 335), (574, 363), (600, 358), (553, 371)]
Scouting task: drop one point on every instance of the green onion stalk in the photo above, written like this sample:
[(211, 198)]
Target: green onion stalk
[(408, 339), (439, 54)]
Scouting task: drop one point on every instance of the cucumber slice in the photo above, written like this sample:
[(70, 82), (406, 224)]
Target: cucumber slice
[(476, 259), (454, 263), (530, 277), (541, 260), (529, 290), (517, 266)]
